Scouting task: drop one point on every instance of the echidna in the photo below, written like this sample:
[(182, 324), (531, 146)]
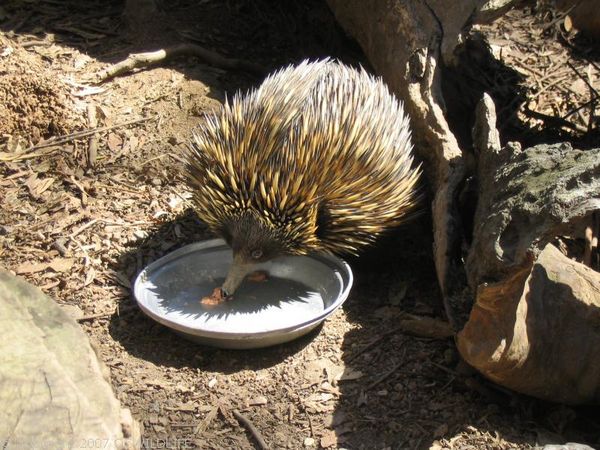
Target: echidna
[(318, 158)]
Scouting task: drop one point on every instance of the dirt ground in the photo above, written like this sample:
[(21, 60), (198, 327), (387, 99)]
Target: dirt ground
[(82, 215)]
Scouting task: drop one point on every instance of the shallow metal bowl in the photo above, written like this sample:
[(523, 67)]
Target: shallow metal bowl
[(299, 294)]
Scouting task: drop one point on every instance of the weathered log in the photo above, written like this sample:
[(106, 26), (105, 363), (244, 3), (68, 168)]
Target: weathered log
[(535, 326), (406, 42), (52, 388), (526, 199), (584, 14)]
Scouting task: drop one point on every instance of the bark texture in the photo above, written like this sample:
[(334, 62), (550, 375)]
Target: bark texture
[(404, 41), (535, 324)]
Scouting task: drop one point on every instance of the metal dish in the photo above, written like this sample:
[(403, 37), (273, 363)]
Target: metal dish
[(300, 293)]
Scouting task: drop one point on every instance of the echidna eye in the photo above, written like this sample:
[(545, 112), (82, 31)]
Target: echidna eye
[(257, 254)]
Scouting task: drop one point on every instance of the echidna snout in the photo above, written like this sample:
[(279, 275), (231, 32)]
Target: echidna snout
[(318, 158), (253, 241)]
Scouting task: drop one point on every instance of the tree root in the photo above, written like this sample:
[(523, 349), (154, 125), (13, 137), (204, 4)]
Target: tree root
[(143, 60)]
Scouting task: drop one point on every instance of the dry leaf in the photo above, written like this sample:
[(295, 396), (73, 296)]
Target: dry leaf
[(350, 374), (80, 61), (44, 184), (329, 439), (31, 183), (309, 442), (88, 90), (114, 142), (325, 397), (30, 268), (7, 51), (133, 143), (578, 87), (89, 277), (38, 186), (61, 264), (257, 401)]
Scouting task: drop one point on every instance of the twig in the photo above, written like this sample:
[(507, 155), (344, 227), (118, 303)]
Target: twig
[(250, 427), (84, 194), (426, 327), (560, 17), (93, 141), (374, 342), (310, 424), (578, 108), (155, 158), (593, 94), (386, 375), (83, 227), (138, 60), (67, 138), (589, 85), (95, 316), (556, 121), (203, 426), (445, 369), (542, 89)]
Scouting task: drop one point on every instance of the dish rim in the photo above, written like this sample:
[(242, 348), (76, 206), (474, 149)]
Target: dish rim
[(333, 262)]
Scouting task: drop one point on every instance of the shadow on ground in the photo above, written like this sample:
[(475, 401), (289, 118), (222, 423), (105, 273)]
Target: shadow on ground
[(144, 338), (411, 391)]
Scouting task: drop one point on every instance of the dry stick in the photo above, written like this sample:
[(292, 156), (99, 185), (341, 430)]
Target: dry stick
[(561, 17), (93, 141), (384, 376), (374, 342), (138, 60), (583, 105), (548, 86), (203, 426), (415, 325), (250, 427), (95, 316), (589, 85), (556, 121), (593, 94), (83, 227), (310, 424), (106, 222), (79, 134)]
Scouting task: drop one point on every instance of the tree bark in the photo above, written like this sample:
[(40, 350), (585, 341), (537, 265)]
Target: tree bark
[(405, 41), (535, 308)]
